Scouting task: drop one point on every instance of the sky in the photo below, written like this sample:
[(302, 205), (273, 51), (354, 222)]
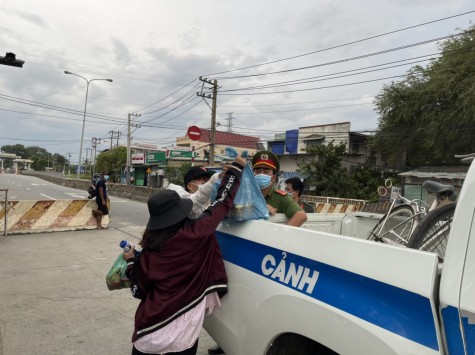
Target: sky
[(279, 65)]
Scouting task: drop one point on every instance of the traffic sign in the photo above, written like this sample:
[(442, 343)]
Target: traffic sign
[(382, 191), (194, 133)]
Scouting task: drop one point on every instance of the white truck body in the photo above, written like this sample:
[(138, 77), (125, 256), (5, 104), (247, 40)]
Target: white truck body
[(325, 284)]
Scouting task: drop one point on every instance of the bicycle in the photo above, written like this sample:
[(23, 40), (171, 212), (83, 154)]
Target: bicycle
[(400, 222), (433, 232)]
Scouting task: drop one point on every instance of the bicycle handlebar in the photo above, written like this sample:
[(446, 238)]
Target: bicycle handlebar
[(465, 158)]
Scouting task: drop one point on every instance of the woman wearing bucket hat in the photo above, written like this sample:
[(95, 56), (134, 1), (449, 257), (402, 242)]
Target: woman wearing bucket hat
[(179, 276)]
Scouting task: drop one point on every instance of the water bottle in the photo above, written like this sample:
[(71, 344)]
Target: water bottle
[(127, 246)]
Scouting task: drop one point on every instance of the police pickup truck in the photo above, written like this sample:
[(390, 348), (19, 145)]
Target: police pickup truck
[(324, 289)]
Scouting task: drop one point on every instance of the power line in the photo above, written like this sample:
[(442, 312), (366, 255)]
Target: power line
[(344, 60), (344, 44), (319, 88)]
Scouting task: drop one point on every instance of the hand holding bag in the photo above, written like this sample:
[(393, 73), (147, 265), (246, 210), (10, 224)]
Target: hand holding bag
[(249, 202), (116, 278)]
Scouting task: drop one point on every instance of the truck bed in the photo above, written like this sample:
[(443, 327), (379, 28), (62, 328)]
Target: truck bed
[(324, 282)]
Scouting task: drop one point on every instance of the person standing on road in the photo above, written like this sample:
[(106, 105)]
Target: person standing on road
[(92, 188), (101, 200), (179, 275), (294, 188)]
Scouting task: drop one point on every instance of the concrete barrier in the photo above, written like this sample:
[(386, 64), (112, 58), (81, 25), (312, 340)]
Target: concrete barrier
[(337, 208), (47, 216), (132, 192)]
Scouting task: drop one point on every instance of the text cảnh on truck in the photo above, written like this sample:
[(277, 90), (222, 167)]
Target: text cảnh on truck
[(324, 289)]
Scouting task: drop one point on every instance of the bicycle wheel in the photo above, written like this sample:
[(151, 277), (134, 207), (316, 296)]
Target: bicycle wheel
[(432, 233), (396, 228)]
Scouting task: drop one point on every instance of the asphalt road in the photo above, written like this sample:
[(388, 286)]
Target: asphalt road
[(42, 311)]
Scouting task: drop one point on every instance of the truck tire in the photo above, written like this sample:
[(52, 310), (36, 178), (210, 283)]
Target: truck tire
[(400, 221), (296, 344), (433, 232)]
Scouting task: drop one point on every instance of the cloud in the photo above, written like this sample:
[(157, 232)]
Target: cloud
[(190, 39), (34, 19), (122, 55)]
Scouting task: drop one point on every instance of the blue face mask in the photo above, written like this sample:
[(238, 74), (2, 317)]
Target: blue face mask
[(106, 177), (263, 180)]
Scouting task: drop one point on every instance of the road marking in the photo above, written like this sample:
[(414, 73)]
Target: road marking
[(72, 194), (28, 188), (52, 198)]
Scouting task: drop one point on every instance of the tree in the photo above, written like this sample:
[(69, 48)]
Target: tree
[(112, 161), (430, 115), (176, 175), (325, 172), (330, 179), (18, 149)]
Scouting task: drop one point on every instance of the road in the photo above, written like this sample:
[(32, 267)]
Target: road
[(128, 217)]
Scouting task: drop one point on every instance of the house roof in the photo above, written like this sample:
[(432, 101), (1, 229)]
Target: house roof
[(290, 174), (313, 137), (440, 172), (231, 139)]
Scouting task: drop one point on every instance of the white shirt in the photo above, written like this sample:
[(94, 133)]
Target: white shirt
[(180, 334), (201, 198)]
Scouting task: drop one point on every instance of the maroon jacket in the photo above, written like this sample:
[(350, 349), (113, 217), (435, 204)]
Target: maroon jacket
[(187, 268)]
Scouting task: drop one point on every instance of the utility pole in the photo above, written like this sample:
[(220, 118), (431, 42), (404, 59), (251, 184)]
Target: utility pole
[(117, 142), (129, 138), (230, 119), (114, 134), (87, 160), (95, 142), (69, 165), (214, 97)]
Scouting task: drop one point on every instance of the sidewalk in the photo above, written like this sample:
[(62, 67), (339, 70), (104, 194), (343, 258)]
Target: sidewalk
[(54, 300)]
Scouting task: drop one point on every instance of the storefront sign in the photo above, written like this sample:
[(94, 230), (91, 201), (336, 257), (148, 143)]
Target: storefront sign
[(138, 158), (156, 157), (179, 154)]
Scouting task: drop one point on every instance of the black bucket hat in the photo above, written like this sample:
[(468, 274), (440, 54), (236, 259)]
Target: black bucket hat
[(196, 172), (166, 208)]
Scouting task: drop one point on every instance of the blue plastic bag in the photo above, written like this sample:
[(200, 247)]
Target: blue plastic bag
[(249, 202), (232, 153)]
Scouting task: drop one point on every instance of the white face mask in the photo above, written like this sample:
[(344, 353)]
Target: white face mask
[(263, 180)]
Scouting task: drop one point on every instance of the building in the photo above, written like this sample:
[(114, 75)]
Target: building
[(148, 161), (448, 175), (201, 147), (291, 146)]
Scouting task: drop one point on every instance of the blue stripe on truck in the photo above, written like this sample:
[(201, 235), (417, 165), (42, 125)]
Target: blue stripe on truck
[(394, 309)]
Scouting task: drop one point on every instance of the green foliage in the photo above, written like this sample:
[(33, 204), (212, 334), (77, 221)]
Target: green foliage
[(325, 172), (112, 161), (430, 115), (18, 149), (330, 179), (40, 156), (176, 175)]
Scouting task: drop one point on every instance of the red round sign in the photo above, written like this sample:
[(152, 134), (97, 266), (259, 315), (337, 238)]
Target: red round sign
[(194, 133)]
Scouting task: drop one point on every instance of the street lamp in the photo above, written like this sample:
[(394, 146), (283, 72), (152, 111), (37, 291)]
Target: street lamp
[(84, 118)]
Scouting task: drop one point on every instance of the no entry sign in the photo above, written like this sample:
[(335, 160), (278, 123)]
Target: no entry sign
[(194, 133)]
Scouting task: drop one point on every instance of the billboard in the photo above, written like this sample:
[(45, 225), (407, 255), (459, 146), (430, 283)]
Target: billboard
[(156, 158), (187, 154)]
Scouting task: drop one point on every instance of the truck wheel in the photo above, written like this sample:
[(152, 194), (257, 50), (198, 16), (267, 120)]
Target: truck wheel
[(433, 232), (396, 228)]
